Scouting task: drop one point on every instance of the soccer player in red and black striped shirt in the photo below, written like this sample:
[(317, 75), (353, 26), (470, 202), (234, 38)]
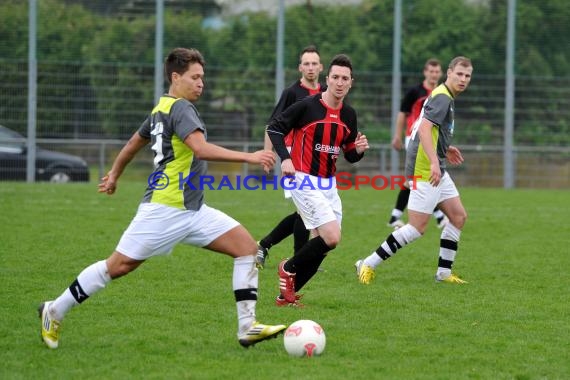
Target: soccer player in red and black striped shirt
[(323, 127), (310, 67)]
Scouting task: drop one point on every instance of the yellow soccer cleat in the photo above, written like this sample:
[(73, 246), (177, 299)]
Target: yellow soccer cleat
[(50, 326), (364, 272), (451, 279), (259, 332)]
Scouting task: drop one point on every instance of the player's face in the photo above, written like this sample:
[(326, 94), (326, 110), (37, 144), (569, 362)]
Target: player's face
[(458, 78), (432, 74), (310, 66), (339, 81), (190, 84)]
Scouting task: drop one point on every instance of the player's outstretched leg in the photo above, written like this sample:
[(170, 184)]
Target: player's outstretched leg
[(88, 282), (395, 241)]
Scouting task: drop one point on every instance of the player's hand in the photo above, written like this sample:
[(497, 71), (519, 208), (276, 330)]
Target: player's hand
[(287, 168), (265, 158), (108, 184), (361, 143), (454, 156), (267, 167), (397, 142), (435, 174)]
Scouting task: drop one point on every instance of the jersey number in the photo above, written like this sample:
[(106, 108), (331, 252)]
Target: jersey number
[(156, 130)]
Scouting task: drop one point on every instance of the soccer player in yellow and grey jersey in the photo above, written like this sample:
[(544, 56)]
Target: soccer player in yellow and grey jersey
[(170, 119), (173, 214), (426, 154), (439, 110)]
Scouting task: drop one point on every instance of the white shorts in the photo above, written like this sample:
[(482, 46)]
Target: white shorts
[(425, 197), (156, 229), (318, 204)]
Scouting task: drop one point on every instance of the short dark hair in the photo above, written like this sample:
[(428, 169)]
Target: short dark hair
[(432, 62), (309, 49), (179, 59), (461, 61), (341, 60)]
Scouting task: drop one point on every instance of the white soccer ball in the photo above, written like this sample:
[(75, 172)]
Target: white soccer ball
[(304, 338)]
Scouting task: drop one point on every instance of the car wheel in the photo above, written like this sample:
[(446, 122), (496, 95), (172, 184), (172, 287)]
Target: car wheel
[(59, 176)]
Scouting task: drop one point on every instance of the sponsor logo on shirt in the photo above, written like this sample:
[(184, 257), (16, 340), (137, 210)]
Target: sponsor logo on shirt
[(331, 149)]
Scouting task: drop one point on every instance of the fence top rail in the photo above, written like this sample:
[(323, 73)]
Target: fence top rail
[(259, 144)]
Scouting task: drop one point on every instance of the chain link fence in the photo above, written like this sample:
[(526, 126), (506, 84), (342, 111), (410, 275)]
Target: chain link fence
[(89, 107)]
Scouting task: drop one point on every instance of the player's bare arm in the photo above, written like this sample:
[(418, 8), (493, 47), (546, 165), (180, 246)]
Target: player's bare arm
[(134, 145), (211, 152), (397, 138), (267, 145)]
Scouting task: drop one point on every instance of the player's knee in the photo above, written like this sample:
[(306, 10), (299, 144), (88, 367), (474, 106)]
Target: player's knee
[(332, 240), (459, 219), (120, 270), (464, 218)]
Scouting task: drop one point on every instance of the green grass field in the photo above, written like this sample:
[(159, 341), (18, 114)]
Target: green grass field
[(175, 318)]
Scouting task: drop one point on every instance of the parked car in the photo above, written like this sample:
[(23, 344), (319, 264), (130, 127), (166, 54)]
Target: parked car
[(50, 165)]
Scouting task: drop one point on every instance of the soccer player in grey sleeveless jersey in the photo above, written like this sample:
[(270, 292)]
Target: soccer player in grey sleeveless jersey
[(176, 213), (429, 148)]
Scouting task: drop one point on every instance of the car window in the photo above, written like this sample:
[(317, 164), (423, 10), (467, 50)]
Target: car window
[(11, 141)]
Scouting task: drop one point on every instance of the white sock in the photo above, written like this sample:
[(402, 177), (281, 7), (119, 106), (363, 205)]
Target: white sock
[(397, 213), (245, 283), (438, 214), (90, 281), (401, 237)]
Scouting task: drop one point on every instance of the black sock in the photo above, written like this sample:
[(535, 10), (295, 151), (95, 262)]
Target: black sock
[(280, 232), (310, 252), (300, 233), (306, 272), (402, 200)]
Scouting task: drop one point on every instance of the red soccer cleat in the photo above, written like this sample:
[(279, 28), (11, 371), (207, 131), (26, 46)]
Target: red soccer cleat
[(286, 283)]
